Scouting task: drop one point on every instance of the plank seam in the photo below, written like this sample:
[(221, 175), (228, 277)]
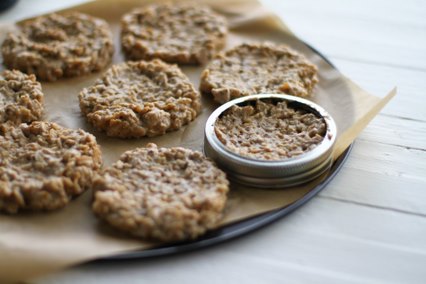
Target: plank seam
[(372, 206), (403, 117), (371, 62), (391, 144)]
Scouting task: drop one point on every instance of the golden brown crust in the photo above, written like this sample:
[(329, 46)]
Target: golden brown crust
[(136, 99), (56, 46), (21, 98), (250, 69), (175, 33), (43, 165), (168, 194)]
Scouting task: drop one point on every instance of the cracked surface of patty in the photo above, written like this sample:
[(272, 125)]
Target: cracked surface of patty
[(44, 165), (59, 45), (143, 98), (167, 194), (21, 98), (175, 33), (265, 68)]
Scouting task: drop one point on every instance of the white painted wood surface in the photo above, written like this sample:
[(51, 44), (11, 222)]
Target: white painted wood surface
[(369, 224)]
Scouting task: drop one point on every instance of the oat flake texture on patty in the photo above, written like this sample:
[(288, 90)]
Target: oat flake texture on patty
[(250, 69), (59, 45), (175, 33), (268, 130), (44, 165), (21, 98), (143, 98), (167, 194)]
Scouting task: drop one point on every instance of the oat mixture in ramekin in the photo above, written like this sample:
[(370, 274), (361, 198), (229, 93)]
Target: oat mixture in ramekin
[(267, 130)]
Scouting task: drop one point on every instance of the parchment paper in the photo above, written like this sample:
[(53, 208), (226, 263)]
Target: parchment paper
[(34, 244)]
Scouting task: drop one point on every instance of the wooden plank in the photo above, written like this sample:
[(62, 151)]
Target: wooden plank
[(351, 30), (378, 80), (326, 242), (363, 187), (396, 131), (381, 175), (408, 12), (388, 160)]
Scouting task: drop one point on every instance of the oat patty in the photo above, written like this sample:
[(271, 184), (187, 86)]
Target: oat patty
[(250, 69), (43, 165), (21, 98), (269, 131), (56, 46), (137, 99), (168, 194), (175, 33)]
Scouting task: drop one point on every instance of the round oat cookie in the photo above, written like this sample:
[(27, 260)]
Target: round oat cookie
[(136, 99), (168, 194), (56, 46), (250, 69), (21, 98), (43, 165), (175, 33)]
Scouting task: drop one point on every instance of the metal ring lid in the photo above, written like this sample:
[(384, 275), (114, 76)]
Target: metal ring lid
[(277, 173)]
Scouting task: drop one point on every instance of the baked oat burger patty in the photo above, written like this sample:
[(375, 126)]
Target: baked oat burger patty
[(175, 33), (56, 46), (144, 98), (43, 165), (250, 69), (168, 194), (21, 98)]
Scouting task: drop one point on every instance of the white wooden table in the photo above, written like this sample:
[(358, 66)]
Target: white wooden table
[(369, 224)]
